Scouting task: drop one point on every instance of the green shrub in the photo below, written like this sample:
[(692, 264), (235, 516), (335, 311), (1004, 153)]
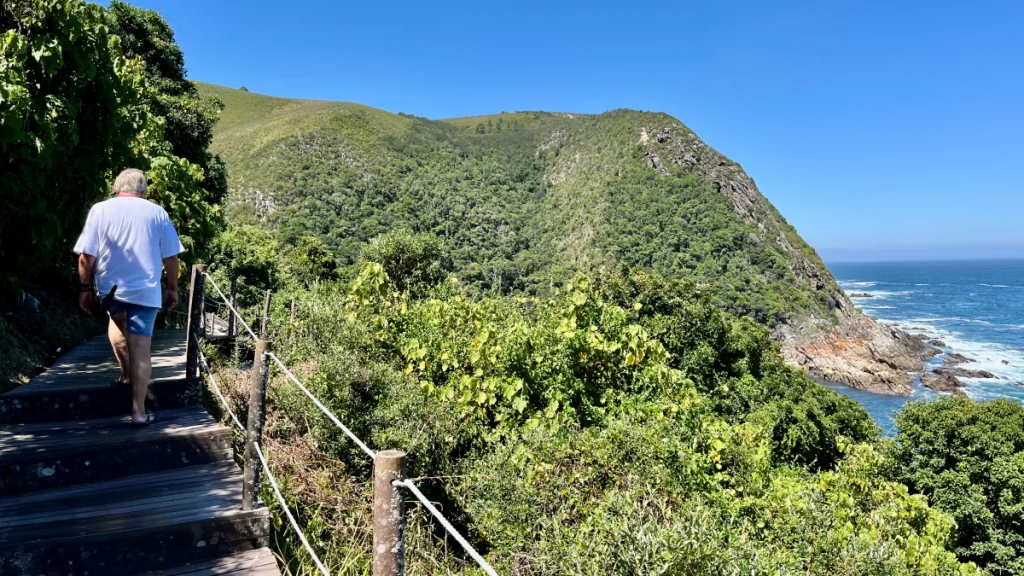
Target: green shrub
[(965, 456)]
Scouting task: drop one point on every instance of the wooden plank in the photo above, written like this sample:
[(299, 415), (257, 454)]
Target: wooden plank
[(21, 440), (46, 463), (117, 499), (93, 363), (260, 562), (124, 487), (138, 549)]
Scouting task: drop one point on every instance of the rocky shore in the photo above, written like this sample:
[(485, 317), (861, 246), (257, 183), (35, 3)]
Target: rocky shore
[(858, 351)]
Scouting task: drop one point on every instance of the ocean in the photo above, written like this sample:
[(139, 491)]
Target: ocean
[(975, 308)]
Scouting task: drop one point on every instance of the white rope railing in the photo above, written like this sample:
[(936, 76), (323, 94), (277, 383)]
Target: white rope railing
[(216, 389), (232, 308), (411, 487), (288, 513), (266, 470), (322, 408), (407, 484)]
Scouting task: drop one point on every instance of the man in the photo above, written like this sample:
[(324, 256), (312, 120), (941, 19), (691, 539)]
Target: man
[(123, 243)]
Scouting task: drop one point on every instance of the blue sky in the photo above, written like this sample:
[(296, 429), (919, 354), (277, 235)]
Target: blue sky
[(880, 129)]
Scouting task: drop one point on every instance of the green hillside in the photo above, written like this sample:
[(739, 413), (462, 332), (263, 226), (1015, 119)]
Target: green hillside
[(521, 200)]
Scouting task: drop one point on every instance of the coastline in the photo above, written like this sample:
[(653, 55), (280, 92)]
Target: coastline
[(970, 312)]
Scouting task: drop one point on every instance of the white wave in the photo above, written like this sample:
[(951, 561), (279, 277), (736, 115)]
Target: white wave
[(999, 359), (927, 320), (922, 284), (857, 284), (995, 285)]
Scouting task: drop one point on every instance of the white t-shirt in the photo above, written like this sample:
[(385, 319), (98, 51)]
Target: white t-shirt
[(129, 237)]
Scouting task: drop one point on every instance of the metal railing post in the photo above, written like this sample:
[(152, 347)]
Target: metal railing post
[(196, 298), (266, 316), (254, 425), (231, 316), (388, 514)]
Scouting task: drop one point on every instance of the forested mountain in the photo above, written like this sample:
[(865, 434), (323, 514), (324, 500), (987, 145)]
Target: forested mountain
[(522, 200)]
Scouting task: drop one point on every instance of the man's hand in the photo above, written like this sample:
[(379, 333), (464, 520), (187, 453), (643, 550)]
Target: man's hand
[(85, 301), (170, 298)]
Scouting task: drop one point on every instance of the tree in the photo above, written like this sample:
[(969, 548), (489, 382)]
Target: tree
[(412, 262), (250, 254), (189, 116), (966, 457), (312, 261), (72, 111)]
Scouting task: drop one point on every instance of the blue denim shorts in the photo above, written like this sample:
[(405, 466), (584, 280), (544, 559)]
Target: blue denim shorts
[(140, 319)]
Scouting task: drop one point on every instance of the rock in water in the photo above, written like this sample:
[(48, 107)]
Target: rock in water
[(937, 342), (956, 358), (941, 382), (965, 373)]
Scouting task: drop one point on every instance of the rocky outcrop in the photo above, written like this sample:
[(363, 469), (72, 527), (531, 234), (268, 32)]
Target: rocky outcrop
[(941, 382), (861, 295), (956, 358), (965, 373), (937, 342), (859, 352)]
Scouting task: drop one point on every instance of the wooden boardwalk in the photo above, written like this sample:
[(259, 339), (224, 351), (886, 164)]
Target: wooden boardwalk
[(84, 493)]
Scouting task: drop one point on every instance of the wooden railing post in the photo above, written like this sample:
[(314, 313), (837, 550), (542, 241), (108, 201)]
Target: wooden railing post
[(266, 317), (254, 427), (231, 315), (196, 299), (388, 514)]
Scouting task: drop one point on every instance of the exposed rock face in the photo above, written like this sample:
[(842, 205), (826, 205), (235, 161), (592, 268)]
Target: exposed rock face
[(860, 353), (937, 342), (846, 346), (941, 382), (956, 358)]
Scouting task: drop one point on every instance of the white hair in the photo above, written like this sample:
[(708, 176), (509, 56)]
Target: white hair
[(131, 181)]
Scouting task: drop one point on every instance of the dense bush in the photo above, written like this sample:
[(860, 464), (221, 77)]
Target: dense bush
[(79, 103), (968, 458), (619, 426)]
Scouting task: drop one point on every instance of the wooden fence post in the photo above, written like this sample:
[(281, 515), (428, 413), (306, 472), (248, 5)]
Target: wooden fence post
[(266, 317), (196, 300), (388, 514), (254, 427), (292, 318), (231, 315)]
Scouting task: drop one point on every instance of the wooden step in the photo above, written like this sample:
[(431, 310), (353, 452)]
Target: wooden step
[(149, 522), (77, 386), (55, 454), (259, 562)]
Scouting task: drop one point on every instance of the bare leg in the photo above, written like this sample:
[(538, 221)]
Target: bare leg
[(117, 330), (140, 372)]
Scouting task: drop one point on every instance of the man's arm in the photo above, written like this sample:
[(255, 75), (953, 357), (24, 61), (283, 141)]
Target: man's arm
[(171, 292), (86, 269)]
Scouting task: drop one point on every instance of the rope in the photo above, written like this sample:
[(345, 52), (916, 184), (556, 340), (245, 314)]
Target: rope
[(266, 470), (232, 308), (216, 389), (322, 408), (288, 513), (408, 485)]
